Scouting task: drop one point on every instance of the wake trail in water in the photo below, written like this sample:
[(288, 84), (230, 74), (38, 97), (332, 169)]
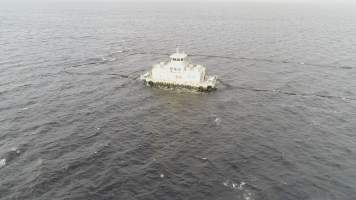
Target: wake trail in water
[(133, 75), (93, 61), (99, 61), (277, 91), (125, 76), (272, 61), (111, 58)]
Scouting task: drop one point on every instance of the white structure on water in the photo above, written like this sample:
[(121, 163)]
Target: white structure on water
[(179, 72)]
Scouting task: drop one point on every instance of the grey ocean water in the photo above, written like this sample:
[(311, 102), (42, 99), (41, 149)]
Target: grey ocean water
[(75, 123)]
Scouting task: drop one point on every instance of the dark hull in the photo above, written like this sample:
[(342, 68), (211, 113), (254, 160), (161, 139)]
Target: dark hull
[(169, 85)]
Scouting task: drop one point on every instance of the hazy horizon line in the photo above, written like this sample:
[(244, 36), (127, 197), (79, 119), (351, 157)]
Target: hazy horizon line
[(193, 1)]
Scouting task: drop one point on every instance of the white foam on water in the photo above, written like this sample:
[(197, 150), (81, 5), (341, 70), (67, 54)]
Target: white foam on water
[(2, 162), (247, 198), (217, 121), (13, 149), (39, 161), (247, 195), (234, 185), (241, 185), (226, 183)]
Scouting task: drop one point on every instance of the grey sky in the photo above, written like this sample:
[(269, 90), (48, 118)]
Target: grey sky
[(310, 1), (348, 2)]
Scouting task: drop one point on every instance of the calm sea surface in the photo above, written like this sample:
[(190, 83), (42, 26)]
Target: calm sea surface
[(75, 123)]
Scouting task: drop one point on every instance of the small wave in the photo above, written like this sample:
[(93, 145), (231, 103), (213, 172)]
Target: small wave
[(217, 121), (119, 51), (11, 155), (120, 75), (107, 59), (2, 162), (16, 150), (90, 61), (346, 67), (95, 61)]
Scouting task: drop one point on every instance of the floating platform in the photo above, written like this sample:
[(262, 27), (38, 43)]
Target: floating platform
[(179, 72)]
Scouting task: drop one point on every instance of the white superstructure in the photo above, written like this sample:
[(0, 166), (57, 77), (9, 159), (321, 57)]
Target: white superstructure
[(179, 72)]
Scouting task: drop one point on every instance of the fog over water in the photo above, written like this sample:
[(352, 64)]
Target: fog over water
[(76, 123)]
